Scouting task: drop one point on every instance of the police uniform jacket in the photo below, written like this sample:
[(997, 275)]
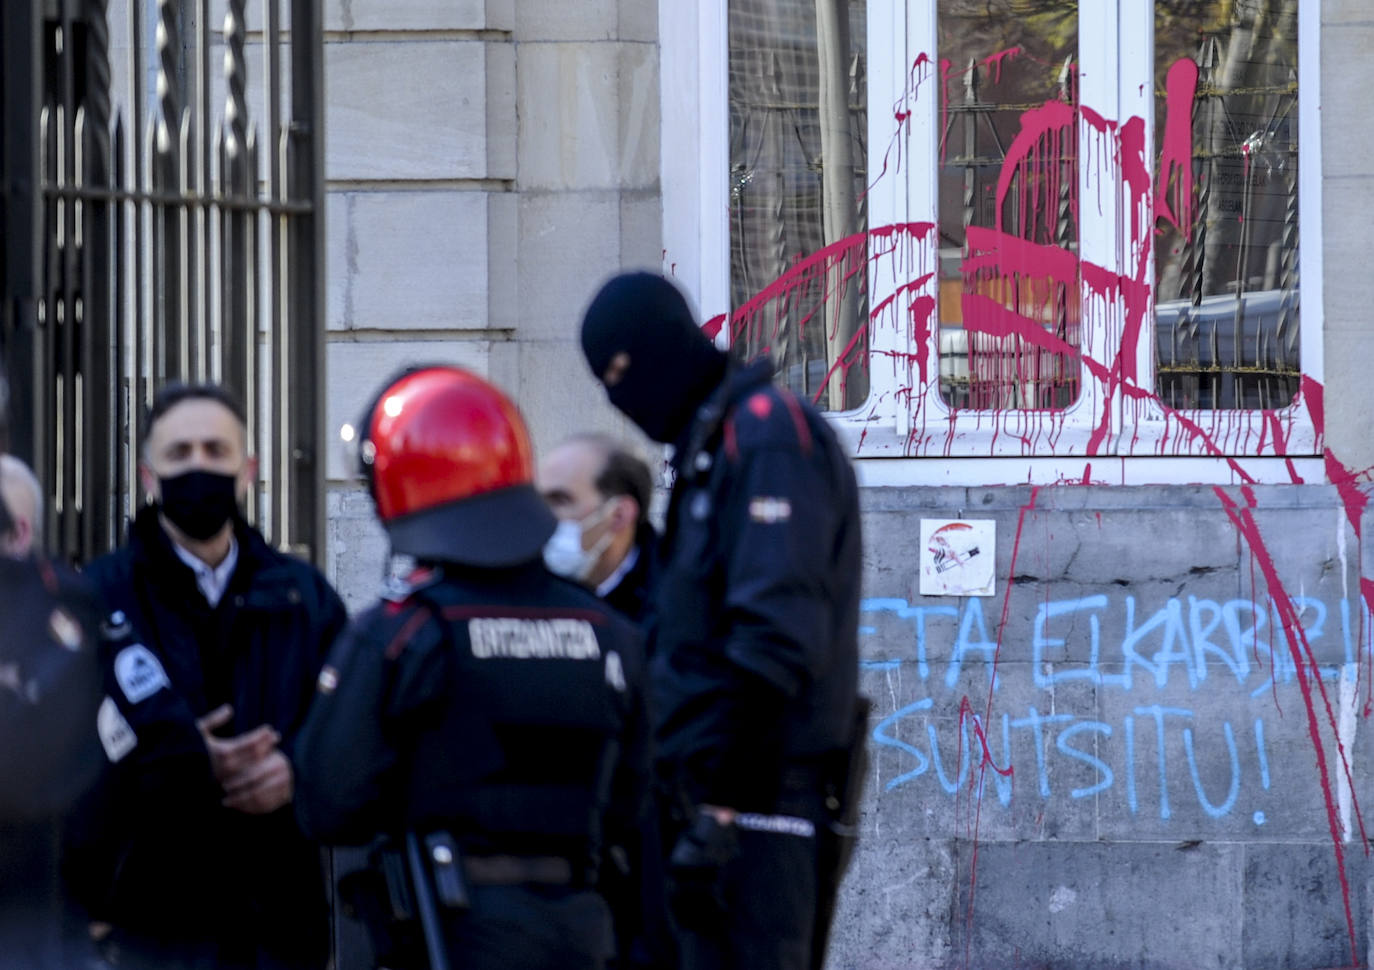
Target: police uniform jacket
[(755, 656), (49, 692), (176, 861), (503, 706)]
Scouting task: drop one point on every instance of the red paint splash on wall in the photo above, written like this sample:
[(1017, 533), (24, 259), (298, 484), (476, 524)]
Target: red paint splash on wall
[(1310, 685)]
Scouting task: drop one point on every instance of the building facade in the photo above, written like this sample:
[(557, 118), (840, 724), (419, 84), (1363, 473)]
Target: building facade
[(1084, 286)]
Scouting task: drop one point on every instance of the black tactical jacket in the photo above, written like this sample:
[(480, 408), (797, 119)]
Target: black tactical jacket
[(49, 754), (755, 643), (503, 706)]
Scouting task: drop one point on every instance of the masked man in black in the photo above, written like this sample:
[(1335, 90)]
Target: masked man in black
[(192, 853), (487, 718), (754, 650)]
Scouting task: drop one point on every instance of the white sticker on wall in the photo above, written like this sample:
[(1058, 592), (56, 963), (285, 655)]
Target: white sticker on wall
[(958, 557)]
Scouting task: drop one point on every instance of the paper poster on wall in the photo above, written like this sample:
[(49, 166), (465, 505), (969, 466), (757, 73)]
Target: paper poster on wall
[(958, 557)]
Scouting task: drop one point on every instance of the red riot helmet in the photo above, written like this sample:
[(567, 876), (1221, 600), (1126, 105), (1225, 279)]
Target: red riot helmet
[(450, 466)]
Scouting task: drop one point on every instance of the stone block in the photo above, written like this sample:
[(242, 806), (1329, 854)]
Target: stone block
[(558, 395), (357, 370), (641, 230), (503, 262), (396, 15), (1046, 904), (1349, 391), (1348, 288), (502, 126), (558, 20), (501, 15), (406, 110), (588, 116), (409, 260), (1347, 112), (1295, 910), (638, 20), (569, 242), (1345, 12), (357, 552), (896, 905), (384, 15), (639, 117)]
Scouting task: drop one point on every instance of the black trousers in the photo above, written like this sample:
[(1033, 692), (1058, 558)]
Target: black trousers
[(530, 928), (150, 951), (771, 895)]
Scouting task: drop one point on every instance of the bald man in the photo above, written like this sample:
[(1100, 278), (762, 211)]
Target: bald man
[(23, 498)]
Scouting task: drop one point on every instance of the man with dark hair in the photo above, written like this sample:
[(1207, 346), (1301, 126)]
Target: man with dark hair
[(755, 641), (600, 492), (193, 854)]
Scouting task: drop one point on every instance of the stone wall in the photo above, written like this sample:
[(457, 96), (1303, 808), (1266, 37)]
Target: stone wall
[(1147, 749)]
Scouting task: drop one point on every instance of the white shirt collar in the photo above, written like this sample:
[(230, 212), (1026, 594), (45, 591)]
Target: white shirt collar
[(613, 580), (212, 580)]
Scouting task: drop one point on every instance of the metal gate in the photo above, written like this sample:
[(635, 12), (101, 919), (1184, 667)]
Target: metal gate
[(162, 219)]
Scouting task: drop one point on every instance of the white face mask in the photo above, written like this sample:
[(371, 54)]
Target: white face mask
[(563, 553)]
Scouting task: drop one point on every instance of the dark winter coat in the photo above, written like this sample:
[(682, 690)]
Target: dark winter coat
[(179, 865), (755, 644)]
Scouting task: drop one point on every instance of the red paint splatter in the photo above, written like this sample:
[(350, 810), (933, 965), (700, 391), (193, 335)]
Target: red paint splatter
[(1174, 195), (1019, 277), (1304, 658), (987, 716)]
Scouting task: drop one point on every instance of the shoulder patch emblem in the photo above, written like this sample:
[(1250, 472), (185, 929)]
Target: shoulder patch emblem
[(138, 673), (770, 510), (760, 406), (116, 736)]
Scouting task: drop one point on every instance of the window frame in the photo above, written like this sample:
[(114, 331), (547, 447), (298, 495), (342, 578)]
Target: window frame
[(1113, 433)]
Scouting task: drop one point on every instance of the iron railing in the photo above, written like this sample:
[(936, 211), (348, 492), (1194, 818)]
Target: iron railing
[(147, 240)]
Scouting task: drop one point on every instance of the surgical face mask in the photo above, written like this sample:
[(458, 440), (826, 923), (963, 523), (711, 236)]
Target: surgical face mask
[(563, 553)]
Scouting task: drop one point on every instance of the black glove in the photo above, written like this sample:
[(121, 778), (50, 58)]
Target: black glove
[(696, 891)]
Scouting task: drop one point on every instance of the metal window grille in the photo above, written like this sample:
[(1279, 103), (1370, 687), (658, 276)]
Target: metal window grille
[(1227, 262), (152, 233), (798, 272), (1000, 59)]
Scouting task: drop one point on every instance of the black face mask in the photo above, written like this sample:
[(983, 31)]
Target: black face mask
[(673, 367), (199, 502)]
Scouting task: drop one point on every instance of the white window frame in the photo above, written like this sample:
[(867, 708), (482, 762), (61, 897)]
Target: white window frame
[(905, 422)]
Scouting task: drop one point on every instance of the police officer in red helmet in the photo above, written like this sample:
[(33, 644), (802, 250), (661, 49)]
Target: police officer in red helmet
[(485, 720)]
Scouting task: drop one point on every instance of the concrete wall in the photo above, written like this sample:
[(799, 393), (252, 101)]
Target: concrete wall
[(1179, 746)]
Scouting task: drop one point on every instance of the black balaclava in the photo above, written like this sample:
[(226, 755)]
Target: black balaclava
[(673, 366)]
